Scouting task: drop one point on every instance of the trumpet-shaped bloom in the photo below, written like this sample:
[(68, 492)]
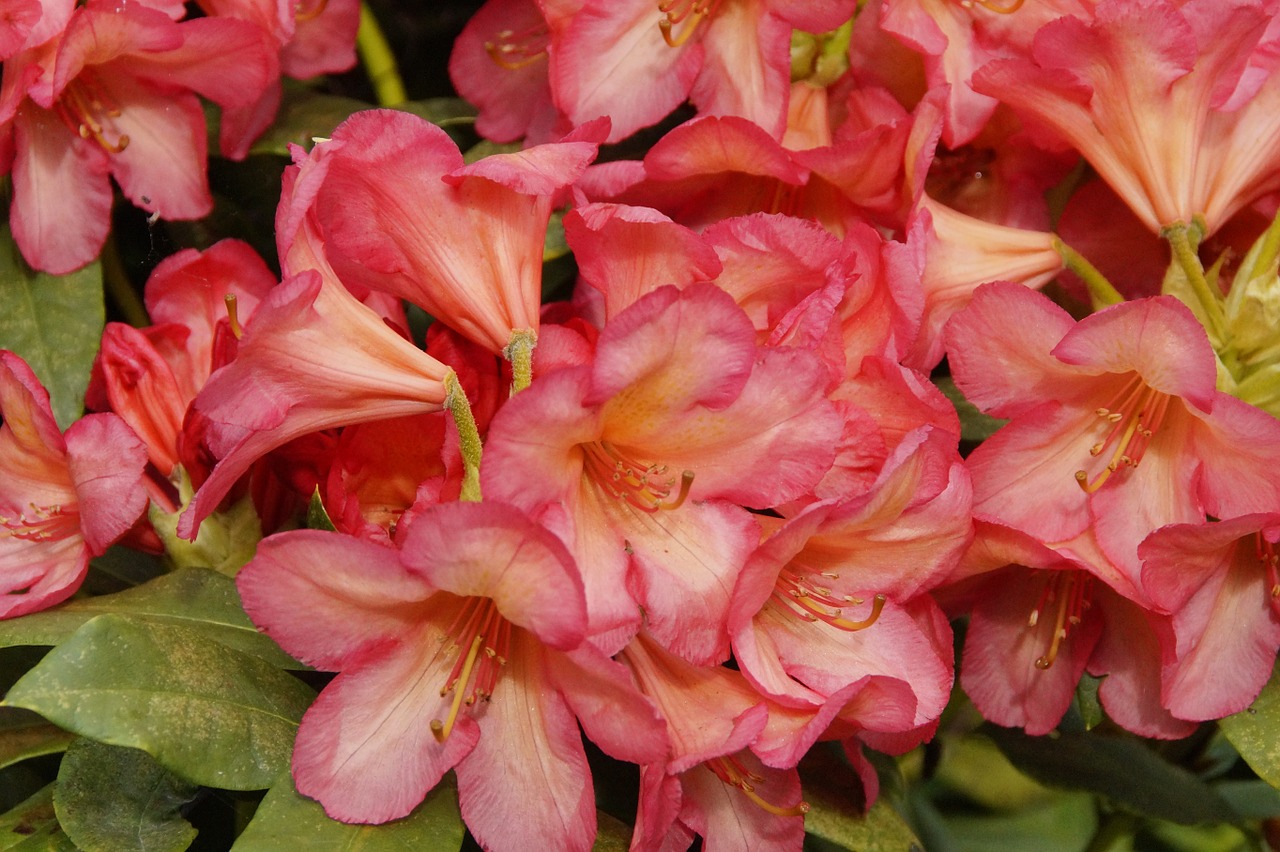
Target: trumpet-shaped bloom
[(115, 95), (62, 498), (1116, 423), (831, 598), (1040, 618), (460, 651), (399, 212), (1108, 82), (313, 358), (643, 459)]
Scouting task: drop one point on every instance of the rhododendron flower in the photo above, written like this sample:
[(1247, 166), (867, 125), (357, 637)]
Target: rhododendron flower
[(399, 212), (637, 60), (149, 376), (115, 94), (313, 358), (1116, 422), (643, 459), (461, 651), (1040, 617), (1220, 583), (831, 598), (63, 498), (1107, 83)]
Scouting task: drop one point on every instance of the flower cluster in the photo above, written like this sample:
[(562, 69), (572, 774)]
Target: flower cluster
[(708, 508)]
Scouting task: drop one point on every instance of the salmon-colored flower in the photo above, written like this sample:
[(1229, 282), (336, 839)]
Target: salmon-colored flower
[(63, 498)]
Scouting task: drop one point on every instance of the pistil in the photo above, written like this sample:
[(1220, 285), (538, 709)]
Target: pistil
[(731, 771), (1131, 419), (1067, 593), (648, 487), (813, 603), (690, 13), (88, 110)]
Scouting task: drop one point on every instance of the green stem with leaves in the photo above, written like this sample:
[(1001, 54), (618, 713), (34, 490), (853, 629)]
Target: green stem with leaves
[(378, 60)]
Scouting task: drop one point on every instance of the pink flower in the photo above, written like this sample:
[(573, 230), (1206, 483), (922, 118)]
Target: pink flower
[(313, 358), (832, 597), (1219, 581), (115, 95), (1108, 83), (63, 498), (1040, 617), (462, 651), (1117, 425), (399, 212), (149, 376), (643, 459)]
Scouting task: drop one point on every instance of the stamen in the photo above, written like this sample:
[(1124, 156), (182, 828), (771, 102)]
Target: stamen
[(647, 487), (731, 771), (1069, 590), (679, 11), (512, 50), (487, 638), (992, 6), (233, 316), (88, 110), (1131, 419), (41, 523), (1270, 562), (817, 603), (306, 10)]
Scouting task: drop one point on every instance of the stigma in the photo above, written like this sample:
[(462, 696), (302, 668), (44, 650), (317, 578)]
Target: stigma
[(1066, 595), (816, 603), (481, 639), (646, 486), (1130, 420), (731, 771), (90, 112)]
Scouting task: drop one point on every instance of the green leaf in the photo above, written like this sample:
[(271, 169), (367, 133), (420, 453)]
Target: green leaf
[(24, 735), (1064, 824), (287, 821), (211, 714), (317, 515), (33, 825), (54, 322), (1121, 768), (1255, 732), (195, 598), (974, 767), (882, 829), (306, 114), (974, 425), (109, 798), (834, 796), (612, 834)]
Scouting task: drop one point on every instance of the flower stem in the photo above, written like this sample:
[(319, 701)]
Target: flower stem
[(379, 62), (1184, 254), (1101, 291), (519, 352), (468, 437)]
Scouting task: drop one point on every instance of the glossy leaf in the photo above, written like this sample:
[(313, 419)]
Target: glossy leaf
[(612, 834), (54, 322), (1122, 768), (195, 598), (1255, 732), (287, 821), (109, 798), (213, 715), (975, 426), (317, 515)]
